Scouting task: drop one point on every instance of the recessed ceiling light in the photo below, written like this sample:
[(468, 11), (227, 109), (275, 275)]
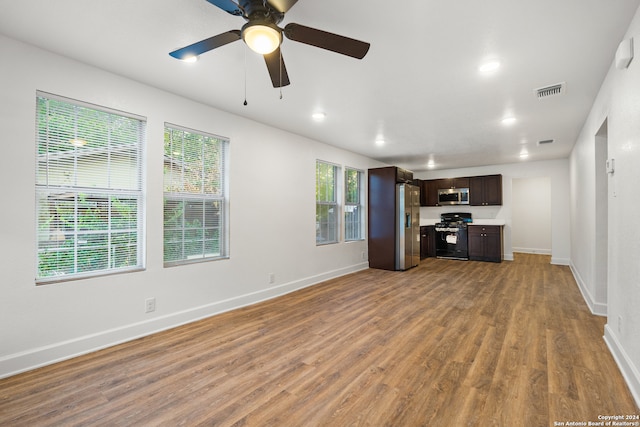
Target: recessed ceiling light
[(507, 121), (489, 67), (524, 155), (379, 141), (431, 164), (319, 116)]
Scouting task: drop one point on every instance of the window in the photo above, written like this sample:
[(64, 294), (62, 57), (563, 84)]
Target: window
[(195, 196), (89, 199), (353, 209), (327, 209)]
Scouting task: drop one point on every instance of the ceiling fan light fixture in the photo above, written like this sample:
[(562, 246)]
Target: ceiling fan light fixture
[(261, 37)]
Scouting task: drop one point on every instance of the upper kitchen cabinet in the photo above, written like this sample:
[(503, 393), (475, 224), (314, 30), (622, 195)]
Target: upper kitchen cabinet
[(485, 190), (453, 183), (403, 175), (429, 189), (429, 192)]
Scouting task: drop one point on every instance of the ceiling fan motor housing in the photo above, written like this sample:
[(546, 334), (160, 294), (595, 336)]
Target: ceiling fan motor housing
[(259, 11)]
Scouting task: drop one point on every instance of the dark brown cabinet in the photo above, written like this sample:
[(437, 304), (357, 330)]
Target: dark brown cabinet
[(382, 224), (429, 189), (384, 216), (429, 192), (427, 241), (403, 175), (485, 243), (485, 190), (454, 183)]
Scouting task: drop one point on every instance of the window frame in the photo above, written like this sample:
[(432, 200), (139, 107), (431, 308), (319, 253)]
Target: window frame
[(359, 205), (190, 198), (322, 204), (80, 227)]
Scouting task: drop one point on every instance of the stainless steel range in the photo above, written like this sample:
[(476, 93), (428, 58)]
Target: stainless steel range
[(451, 235)]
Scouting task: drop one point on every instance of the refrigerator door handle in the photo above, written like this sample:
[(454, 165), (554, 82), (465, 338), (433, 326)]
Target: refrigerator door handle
[(407, 223)]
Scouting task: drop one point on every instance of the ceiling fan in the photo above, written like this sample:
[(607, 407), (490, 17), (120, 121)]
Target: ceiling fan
[(262, 34)]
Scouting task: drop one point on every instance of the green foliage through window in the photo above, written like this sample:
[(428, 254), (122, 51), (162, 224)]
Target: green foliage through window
[(194, 196), (88, 188), (353, 208), (327, 208)]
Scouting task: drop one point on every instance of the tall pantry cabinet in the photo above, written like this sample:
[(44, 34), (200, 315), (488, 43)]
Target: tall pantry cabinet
[(393, 222)]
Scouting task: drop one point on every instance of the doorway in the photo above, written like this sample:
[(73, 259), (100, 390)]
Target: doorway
[(601, 256), (531, 215)]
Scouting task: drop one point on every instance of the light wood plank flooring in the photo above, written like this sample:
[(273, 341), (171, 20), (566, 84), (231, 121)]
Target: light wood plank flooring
[(448, 343)]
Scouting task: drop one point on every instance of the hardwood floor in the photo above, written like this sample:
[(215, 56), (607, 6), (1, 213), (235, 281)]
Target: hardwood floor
[(448, 343)]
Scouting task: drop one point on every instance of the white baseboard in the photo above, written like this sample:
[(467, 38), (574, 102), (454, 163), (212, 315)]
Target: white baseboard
[(629, 371), (599, 309), (532, 251), (560, 261), (34, 358)]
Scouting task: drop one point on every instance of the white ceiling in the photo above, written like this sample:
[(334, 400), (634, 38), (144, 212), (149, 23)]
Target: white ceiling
[(418, 87)]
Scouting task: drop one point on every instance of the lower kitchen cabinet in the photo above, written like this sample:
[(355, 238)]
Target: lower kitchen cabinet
[(485, 243), (427, 241)]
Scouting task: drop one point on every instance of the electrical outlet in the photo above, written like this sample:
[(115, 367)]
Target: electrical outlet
[(272, 278), (362, 255), (150, 305), (620, 325)]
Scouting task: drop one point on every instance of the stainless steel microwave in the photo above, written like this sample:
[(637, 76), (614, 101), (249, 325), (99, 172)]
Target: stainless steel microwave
[(453, 196)]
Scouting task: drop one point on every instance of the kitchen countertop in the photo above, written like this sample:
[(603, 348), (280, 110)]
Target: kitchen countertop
[(481, 221), (488, 222)]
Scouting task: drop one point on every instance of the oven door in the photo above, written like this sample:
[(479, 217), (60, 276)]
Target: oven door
[(451, 243)]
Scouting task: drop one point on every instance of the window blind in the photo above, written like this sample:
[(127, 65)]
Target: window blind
[(195, 196), (89, 198), (327, 208), (353, 208)]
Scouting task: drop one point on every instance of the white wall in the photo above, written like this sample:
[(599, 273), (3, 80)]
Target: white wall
[(531, 215), (619, 104), (272, 199), (556, 171)]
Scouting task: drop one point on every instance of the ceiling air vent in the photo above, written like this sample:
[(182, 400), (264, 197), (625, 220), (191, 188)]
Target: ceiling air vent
[(553, 90), (545, 141)]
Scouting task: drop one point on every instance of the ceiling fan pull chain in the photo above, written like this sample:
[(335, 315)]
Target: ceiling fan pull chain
[(280, 53), (245, 76)]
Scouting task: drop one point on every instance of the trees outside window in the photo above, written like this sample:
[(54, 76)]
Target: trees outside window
[(195, 196), (327, 207), (89, 198), (353, 207)]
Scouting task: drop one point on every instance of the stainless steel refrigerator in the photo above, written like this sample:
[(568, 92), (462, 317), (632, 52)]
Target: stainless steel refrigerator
[(407, 226)]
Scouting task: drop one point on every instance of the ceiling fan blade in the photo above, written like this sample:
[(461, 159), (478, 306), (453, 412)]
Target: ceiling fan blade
[(228, 6), (277, 70), (206, 45), (325, 40), (282, 5)]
